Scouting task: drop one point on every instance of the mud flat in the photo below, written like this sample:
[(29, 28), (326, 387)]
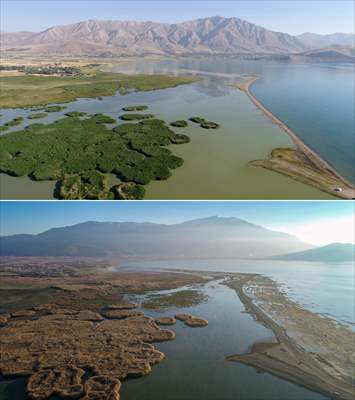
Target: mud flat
[(310, 349), (312, 169)]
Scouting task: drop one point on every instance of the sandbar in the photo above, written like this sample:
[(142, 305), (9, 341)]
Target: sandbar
[(320, 166)]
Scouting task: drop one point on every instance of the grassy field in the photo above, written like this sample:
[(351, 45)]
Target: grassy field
[(30, 90)]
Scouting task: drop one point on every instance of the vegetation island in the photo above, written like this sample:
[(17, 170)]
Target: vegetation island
[(204, 123), (78, 150), (86, 338)]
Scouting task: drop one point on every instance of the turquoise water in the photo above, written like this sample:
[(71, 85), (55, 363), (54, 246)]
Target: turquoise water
[(326, 288), (315, 100)]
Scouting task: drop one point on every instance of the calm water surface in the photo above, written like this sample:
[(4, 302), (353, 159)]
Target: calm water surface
[(315, 100), (326, 288), (195, 366), (215, 164)]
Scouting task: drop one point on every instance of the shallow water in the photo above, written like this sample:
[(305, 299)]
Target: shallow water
[(326, 288), (315, 100), (195, 367), (215, 162)]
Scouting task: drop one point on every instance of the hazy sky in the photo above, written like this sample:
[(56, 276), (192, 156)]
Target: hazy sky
[(293, 17), (317, 222)]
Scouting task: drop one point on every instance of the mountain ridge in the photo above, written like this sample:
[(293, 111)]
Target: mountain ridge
[(335, 252), (210, 237), (213, 35)]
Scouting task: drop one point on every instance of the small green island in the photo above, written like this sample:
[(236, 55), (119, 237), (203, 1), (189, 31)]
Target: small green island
[(204, 123), (79, 153), (75, 114), (134, 108), (179, 124), (14, 122), (134, 117), (37, 115)]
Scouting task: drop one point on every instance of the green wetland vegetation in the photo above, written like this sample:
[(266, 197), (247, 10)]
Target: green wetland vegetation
[(179, 124), (134, 108), (133, 117), (31, 90), (179, 299), (14, 122), (75, 114), (37, 115), (204, 123), (54, 108), (77, 153)]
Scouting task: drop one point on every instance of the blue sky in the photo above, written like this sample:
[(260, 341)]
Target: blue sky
[(316, 222), (293, 17)]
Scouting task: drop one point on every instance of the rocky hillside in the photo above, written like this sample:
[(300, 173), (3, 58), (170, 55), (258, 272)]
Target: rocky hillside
[(215, 35)]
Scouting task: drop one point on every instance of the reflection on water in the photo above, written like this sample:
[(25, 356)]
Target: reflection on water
[(195, 366), (326, 288), (316, 100)]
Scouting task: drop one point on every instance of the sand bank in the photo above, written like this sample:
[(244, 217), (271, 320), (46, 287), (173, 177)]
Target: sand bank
[(310, 349), (313, 161)]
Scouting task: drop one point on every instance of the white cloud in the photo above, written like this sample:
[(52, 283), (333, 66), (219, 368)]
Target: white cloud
[(334, 230)]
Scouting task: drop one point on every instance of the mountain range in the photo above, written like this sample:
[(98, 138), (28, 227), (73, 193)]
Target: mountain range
[(212, 237), (205, 36), (334, 252)]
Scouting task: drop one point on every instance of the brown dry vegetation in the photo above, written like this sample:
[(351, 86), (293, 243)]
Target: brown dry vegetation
[(83, 326)]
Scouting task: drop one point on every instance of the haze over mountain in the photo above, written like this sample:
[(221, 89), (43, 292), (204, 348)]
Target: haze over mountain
[(214, 35), (334, 252), (212, 237), (316, 41)]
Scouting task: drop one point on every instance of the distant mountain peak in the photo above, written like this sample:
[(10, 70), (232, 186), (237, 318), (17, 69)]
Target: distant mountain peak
[(333, 252), (210, 237), (210, 35)]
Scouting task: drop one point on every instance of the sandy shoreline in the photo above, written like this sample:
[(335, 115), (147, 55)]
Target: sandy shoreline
[(310, 350), (312, 156)]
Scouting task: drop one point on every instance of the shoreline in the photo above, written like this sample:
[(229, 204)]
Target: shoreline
[(315, 159), (325, 369)]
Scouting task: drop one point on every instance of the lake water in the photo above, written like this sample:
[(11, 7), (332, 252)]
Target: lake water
[(195, 365), (326, 288), (315, 100), (215, 164)]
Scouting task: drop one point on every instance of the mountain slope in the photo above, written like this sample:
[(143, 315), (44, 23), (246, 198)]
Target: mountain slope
[(212, 237), (335, 252), (316, 41), (331, 53), (214, 35)]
